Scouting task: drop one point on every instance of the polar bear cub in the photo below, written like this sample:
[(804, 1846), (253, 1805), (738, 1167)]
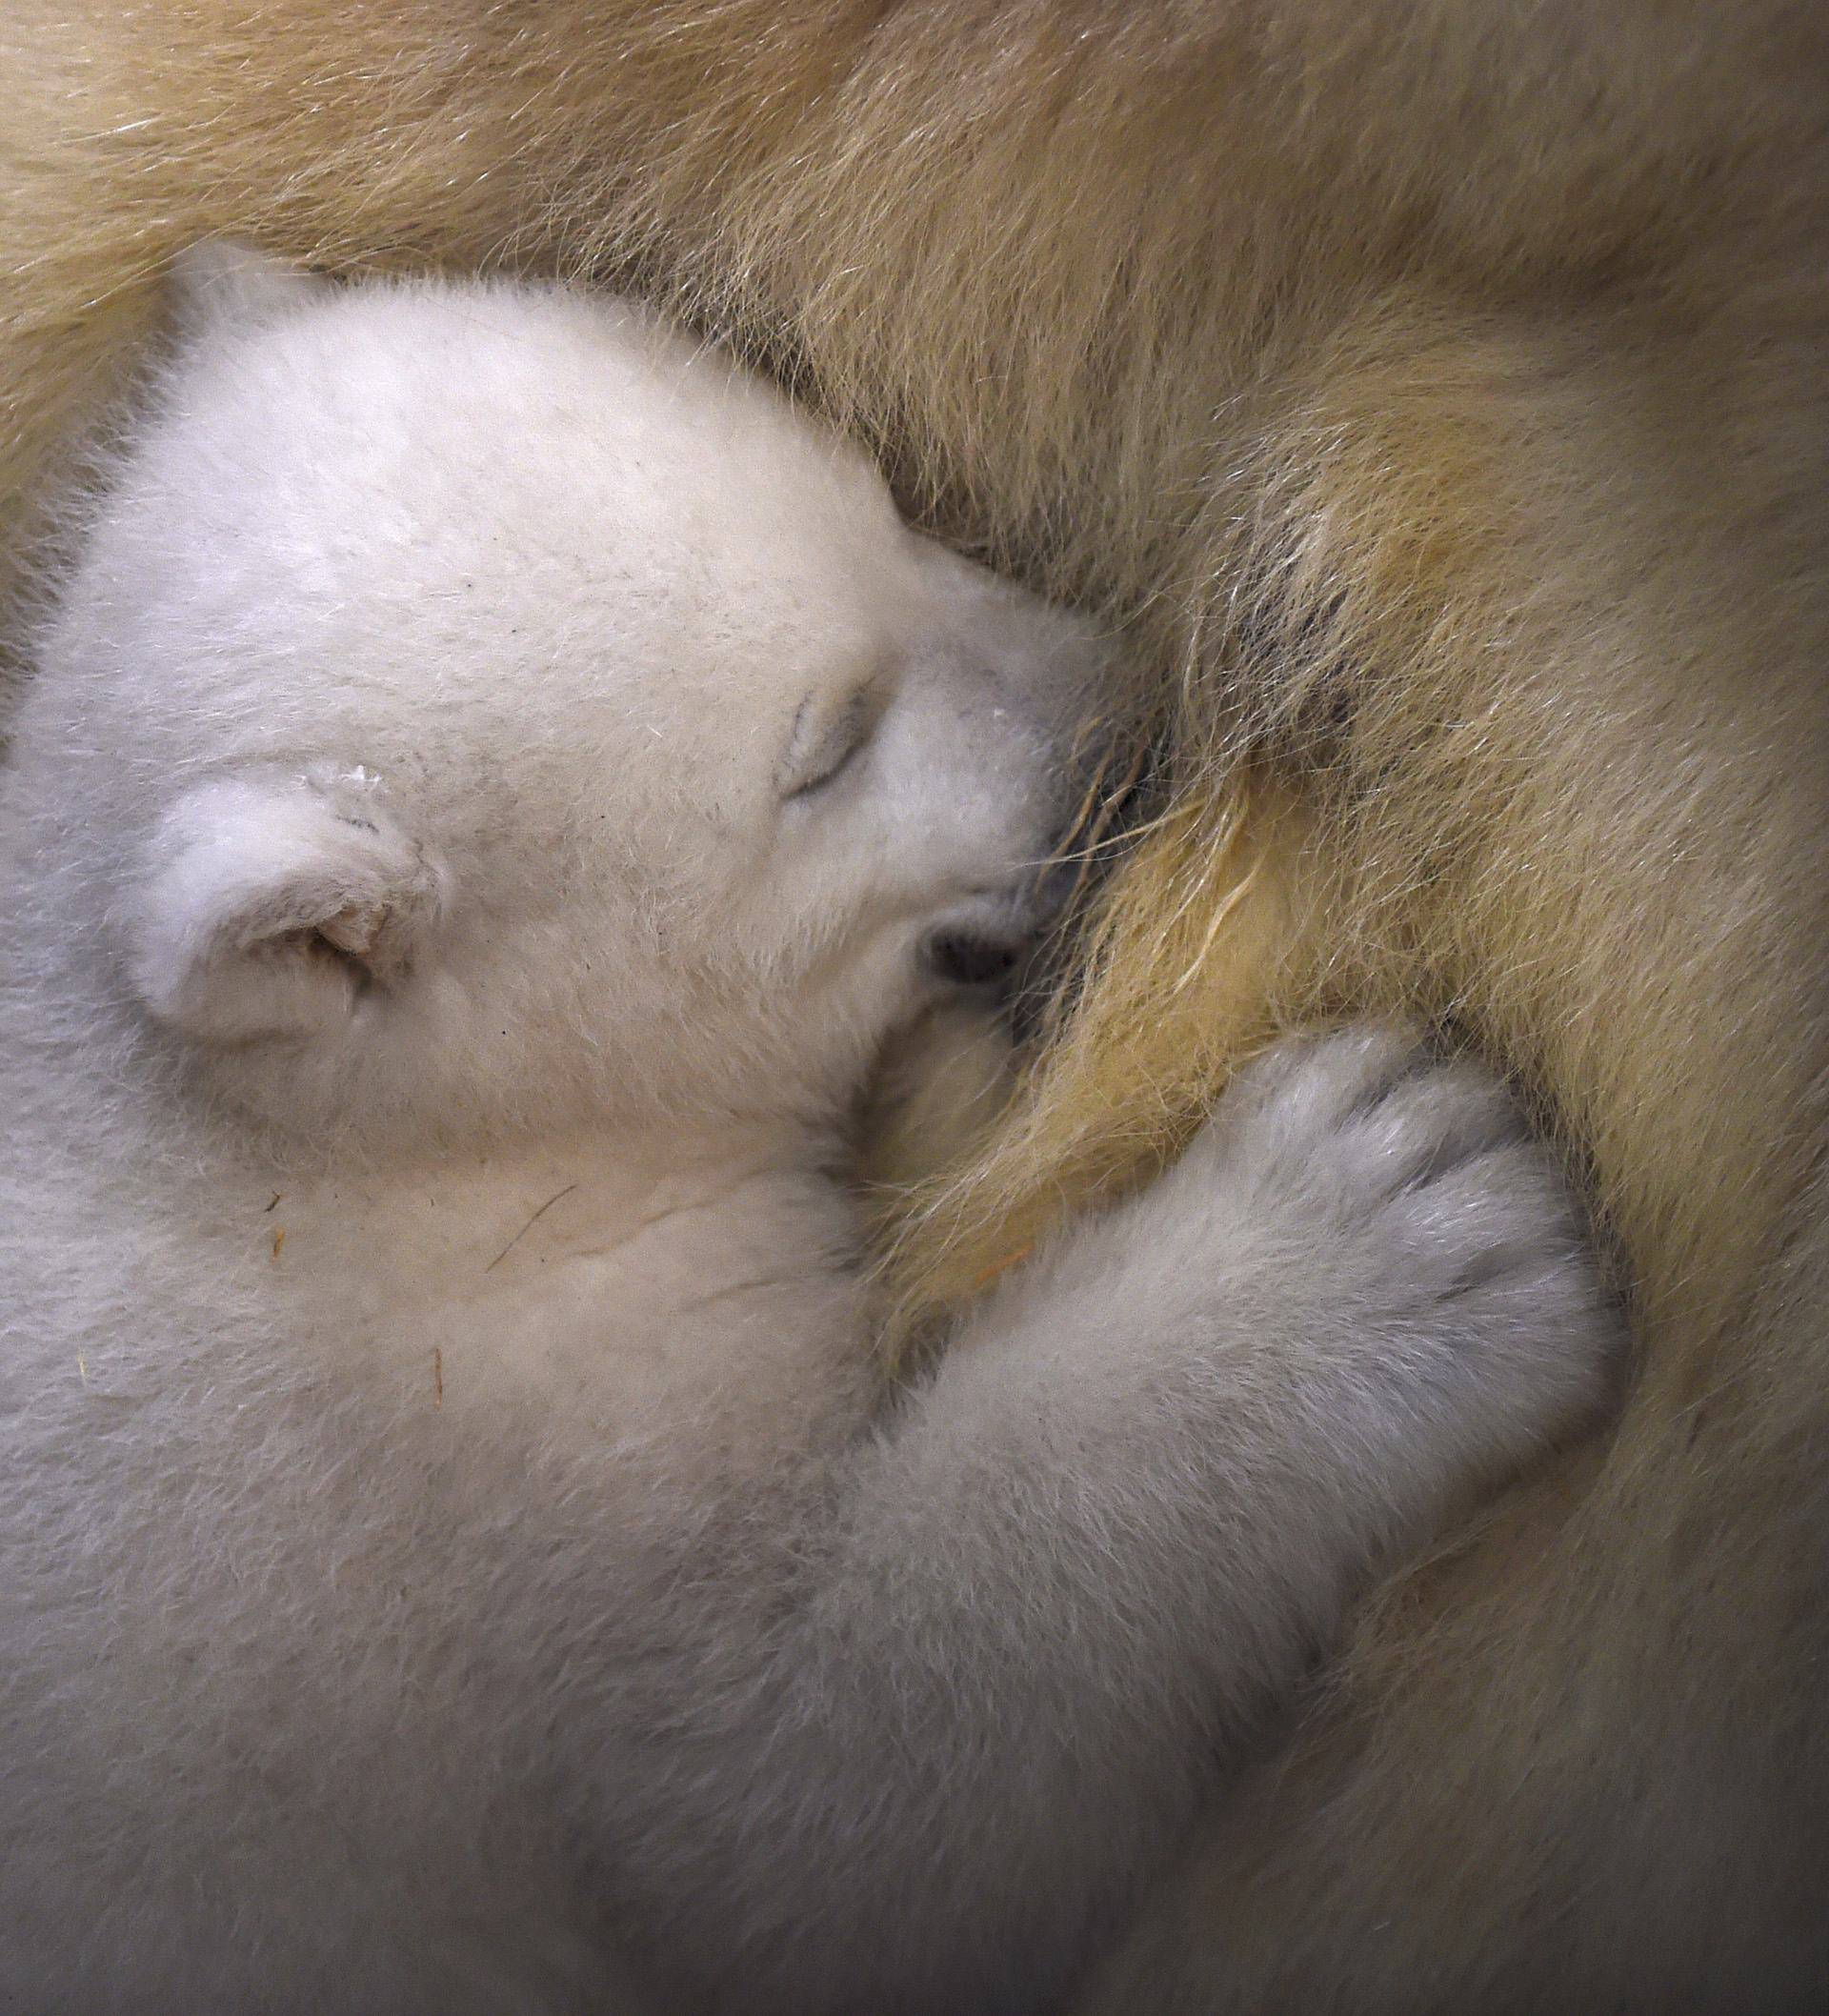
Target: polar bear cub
[(495, 776)]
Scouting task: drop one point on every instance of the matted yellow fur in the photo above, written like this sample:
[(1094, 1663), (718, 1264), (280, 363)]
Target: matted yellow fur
[(1197, 947), (1436, 390)]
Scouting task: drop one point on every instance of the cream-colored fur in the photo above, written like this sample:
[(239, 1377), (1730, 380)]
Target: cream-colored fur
[(1439, 391), (492, 780)]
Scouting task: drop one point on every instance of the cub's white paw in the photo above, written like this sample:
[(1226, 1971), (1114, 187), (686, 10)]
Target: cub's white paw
[(1424, 1233)]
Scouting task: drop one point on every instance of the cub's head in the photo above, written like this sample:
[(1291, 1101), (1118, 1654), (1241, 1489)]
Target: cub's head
[(479, 706)]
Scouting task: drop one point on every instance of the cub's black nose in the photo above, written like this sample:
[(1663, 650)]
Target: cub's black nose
[(970, 961)]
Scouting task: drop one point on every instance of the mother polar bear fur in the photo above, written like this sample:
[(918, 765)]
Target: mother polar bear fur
[(1438, 392)]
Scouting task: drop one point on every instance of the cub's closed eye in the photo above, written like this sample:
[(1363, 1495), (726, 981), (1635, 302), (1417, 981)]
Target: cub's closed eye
[(821, 747)]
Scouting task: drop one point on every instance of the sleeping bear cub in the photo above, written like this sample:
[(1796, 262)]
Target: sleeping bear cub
[(495, 776)]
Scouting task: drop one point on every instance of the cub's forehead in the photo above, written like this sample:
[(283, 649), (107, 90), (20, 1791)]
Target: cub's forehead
[(385, 480), (512, 406), (390, 503)]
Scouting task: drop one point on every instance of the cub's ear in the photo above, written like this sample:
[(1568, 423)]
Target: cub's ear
[(273, 906), (225, 281)]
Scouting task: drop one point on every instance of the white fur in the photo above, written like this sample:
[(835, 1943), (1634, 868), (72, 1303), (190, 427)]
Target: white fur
[(491, 778)]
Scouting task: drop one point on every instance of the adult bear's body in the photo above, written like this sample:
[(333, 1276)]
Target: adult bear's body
[(1442, 387)]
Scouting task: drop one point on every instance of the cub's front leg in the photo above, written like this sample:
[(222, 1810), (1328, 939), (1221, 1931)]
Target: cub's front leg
[(1025, 1625)]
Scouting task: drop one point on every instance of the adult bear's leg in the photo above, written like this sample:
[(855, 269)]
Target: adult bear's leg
[(1566, 576)]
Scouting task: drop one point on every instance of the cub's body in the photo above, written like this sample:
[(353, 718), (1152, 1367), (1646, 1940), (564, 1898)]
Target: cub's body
[(494, 780)]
